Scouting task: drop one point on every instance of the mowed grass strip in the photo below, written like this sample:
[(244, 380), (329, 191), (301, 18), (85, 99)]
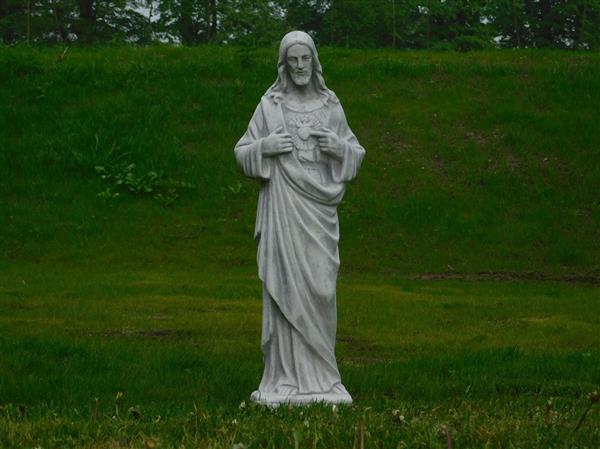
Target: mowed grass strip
[(481, 360)]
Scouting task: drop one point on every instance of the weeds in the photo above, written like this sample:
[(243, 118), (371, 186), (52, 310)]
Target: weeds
[(594, 398), (122, 177)]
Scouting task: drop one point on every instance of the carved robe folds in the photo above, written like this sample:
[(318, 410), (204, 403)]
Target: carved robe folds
[(297, 234)]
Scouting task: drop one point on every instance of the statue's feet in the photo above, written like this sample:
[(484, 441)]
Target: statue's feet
[(337, 395)]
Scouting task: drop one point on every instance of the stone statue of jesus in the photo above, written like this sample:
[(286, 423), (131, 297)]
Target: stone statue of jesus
[(299, 145)]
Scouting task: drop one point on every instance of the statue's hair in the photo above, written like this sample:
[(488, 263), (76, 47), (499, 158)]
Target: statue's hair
[(280, 85)]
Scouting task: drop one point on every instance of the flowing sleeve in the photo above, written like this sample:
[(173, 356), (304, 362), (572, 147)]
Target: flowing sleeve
[(248, 149), (346, 169)]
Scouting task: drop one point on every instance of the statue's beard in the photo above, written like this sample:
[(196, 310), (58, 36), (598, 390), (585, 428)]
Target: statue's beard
[(301, 79)]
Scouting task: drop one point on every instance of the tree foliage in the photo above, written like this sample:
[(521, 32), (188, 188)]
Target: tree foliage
[(458, 24)]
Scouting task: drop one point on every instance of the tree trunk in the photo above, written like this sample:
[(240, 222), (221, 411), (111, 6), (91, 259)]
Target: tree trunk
[(150, 27), (516, 24), (87, 19), (580, 24), (394, 23), (212, 32), (429, 13), (532, 20), (28, 22), (545, 34), (7, 31), (59, 20), (186, 26)]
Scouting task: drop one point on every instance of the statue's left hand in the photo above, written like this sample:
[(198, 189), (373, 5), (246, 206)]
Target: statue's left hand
[(329, 142)]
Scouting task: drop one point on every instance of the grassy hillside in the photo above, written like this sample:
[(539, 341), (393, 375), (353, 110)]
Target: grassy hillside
[(127, 263), (475, 162)]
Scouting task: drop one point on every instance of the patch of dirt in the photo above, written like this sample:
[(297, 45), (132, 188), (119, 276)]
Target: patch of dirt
[(589, 278), (360, 361), (482, 139), (159, 317), (354, 343), (19, 306), (212, 309), (536, 319), (146, 333), (185, 231), (438, 165), (501, 322), (364, 351), (513, 160), (476, 137)]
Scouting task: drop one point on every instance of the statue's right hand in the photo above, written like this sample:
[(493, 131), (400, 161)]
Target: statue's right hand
[(278, 142)]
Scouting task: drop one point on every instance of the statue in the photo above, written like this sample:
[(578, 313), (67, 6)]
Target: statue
[(299, 145)]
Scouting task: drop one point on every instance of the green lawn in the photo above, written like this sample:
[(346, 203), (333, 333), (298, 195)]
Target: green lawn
[(481, 359), (481, 170)]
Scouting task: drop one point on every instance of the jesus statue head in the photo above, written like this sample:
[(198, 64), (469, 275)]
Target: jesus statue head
[(299, 64)]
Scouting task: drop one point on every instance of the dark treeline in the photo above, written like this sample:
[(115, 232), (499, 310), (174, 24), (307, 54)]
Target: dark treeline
[(459, 24)]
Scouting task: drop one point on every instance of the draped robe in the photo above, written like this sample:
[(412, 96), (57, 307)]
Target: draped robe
[(297, 233)]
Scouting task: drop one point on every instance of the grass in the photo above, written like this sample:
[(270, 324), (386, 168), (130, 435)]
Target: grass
[(480, 359), (480, 171), (475, 162)]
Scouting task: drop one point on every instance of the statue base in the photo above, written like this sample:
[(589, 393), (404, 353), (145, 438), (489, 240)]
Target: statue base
[(275, 399)]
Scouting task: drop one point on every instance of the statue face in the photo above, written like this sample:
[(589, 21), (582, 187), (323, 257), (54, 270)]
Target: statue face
[(299, 64)]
